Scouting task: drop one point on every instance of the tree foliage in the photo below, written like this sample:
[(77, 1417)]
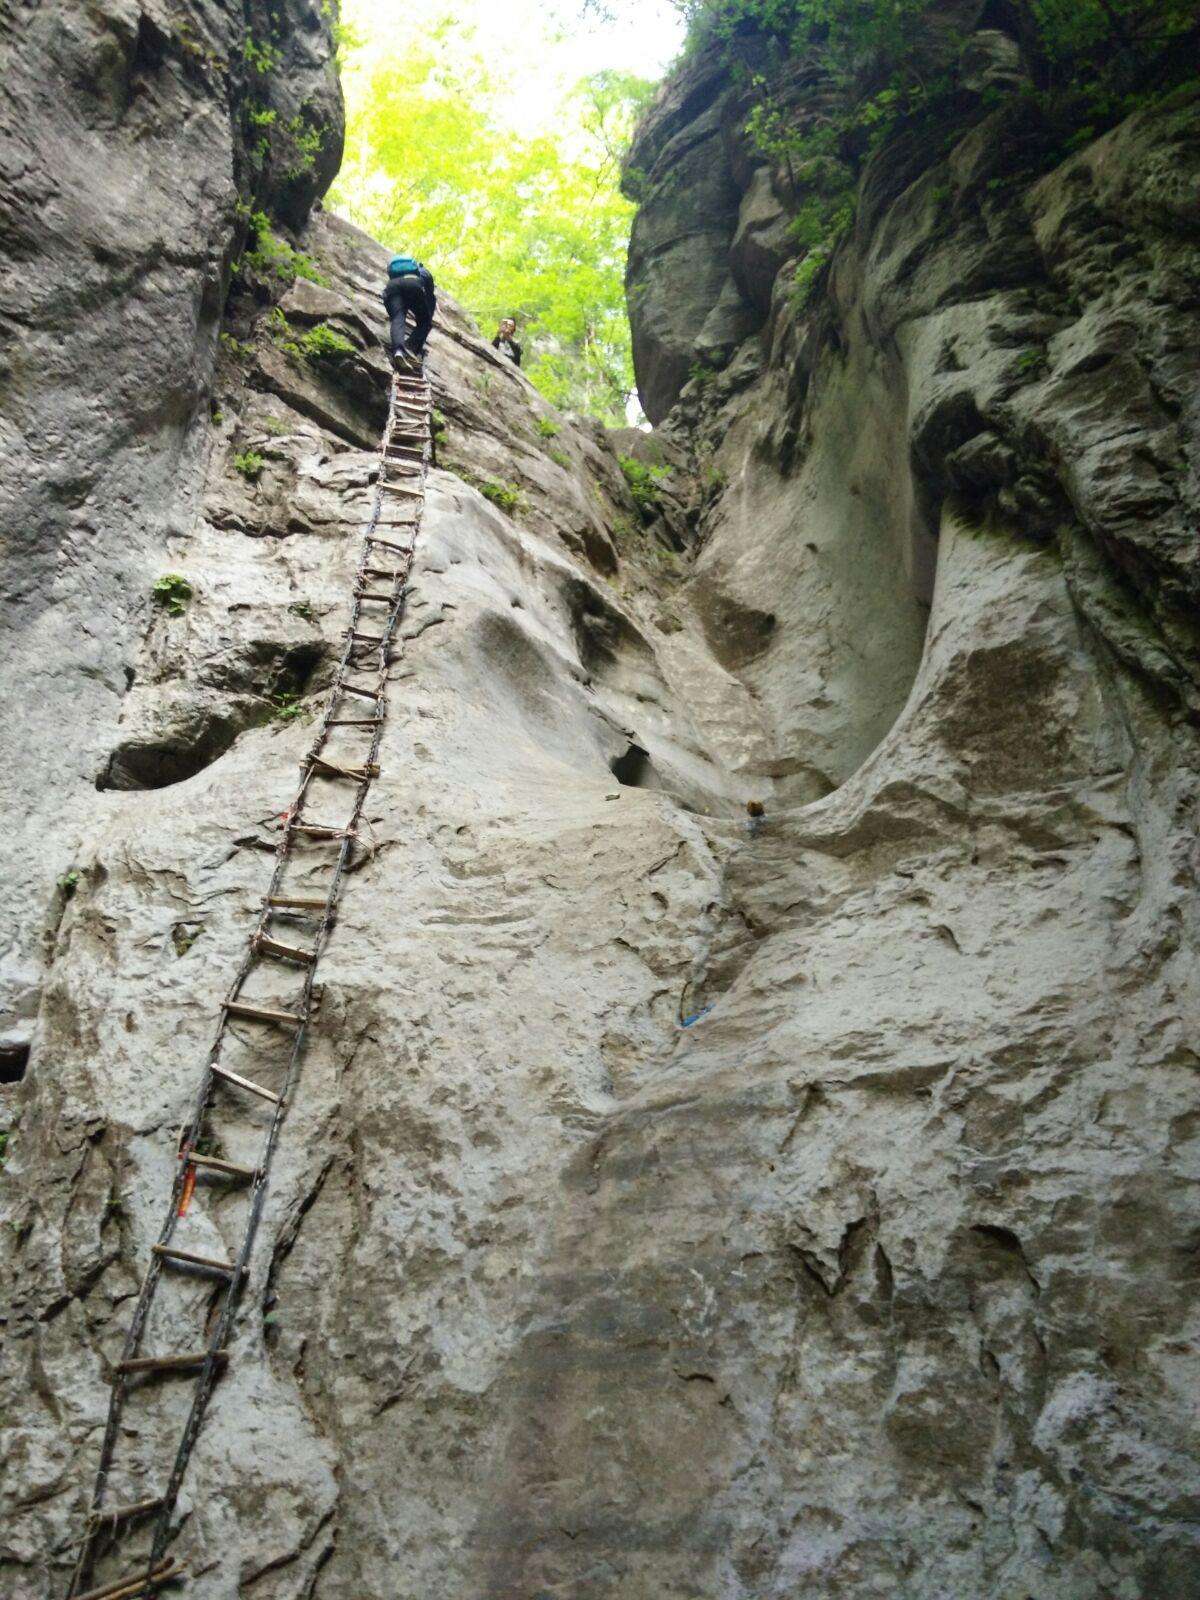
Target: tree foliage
[(530, 225)]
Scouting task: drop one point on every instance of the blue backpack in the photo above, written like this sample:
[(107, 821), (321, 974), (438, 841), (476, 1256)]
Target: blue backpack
[(402, 266)]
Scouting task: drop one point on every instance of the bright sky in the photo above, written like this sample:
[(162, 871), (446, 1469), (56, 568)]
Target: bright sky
[(542, 46)]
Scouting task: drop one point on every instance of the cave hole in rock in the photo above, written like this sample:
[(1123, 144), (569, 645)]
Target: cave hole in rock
[(177, 755), (159, 763), (296, 670), (633, 769), (14, 1059)]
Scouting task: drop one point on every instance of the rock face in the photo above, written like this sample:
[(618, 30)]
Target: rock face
[(129, 160), (671, 1205)]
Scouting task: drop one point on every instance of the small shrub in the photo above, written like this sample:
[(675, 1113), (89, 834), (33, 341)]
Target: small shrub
[(173, 591), (700, 372), (806, 277), (261, 116), (322, 343), (643, 481), (561, 457), (546, 428), (274, 257), (288, 707), (261, 57), (505, 495), (306, 143), (302, 609), (249, 463), (69, 882)]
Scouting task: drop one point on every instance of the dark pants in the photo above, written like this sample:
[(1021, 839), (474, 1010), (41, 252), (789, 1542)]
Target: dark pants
[(413, 299)]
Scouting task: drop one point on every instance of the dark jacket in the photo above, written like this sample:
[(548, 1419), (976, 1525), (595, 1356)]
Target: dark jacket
[(508, 347), (396, 291)]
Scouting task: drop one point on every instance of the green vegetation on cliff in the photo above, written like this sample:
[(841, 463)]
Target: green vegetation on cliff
[(871, 69), (521, 219)]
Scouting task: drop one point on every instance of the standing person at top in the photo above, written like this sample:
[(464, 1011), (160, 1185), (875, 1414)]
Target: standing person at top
[(409, 288), (506, 341)]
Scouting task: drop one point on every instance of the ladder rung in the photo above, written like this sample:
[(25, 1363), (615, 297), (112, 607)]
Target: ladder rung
[(389, 544), (197, 1358), (363, 694), (284, 952), (289, 1019), (216, 1164), (369, 638), (286, 903), (128, 1587), (189, 1258), (355, 722), (141, 1508), (317, 830), (365, 594), (238, 1082), (405, 493), (355, 774), (382, 572)]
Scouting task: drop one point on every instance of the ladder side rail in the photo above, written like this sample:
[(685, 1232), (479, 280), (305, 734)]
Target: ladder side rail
[(215, 1353), (207, 1379)]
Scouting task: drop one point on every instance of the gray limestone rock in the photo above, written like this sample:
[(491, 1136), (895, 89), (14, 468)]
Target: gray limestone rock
[(673, 1203)]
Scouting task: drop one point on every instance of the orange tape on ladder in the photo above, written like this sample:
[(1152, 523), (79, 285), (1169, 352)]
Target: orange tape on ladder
[(189, 1189)]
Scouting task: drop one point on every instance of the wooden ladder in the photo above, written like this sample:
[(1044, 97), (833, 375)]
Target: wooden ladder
[(271, 1029)]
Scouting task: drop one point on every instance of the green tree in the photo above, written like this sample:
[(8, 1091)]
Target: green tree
[(532, 226)]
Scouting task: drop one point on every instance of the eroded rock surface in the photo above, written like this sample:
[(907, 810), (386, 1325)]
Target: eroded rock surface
[(671, 1205), (129, 162)]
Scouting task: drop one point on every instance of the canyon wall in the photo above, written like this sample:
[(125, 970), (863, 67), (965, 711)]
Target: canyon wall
[(673, 1203)]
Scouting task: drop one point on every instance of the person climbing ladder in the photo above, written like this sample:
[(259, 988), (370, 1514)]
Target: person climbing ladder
[(410, 288)]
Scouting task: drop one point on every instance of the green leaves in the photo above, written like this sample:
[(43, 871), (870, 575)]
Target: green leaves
[(514, 224), (643, 480), (322, 342), (505, 495), (173, 591), (274, 257)]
